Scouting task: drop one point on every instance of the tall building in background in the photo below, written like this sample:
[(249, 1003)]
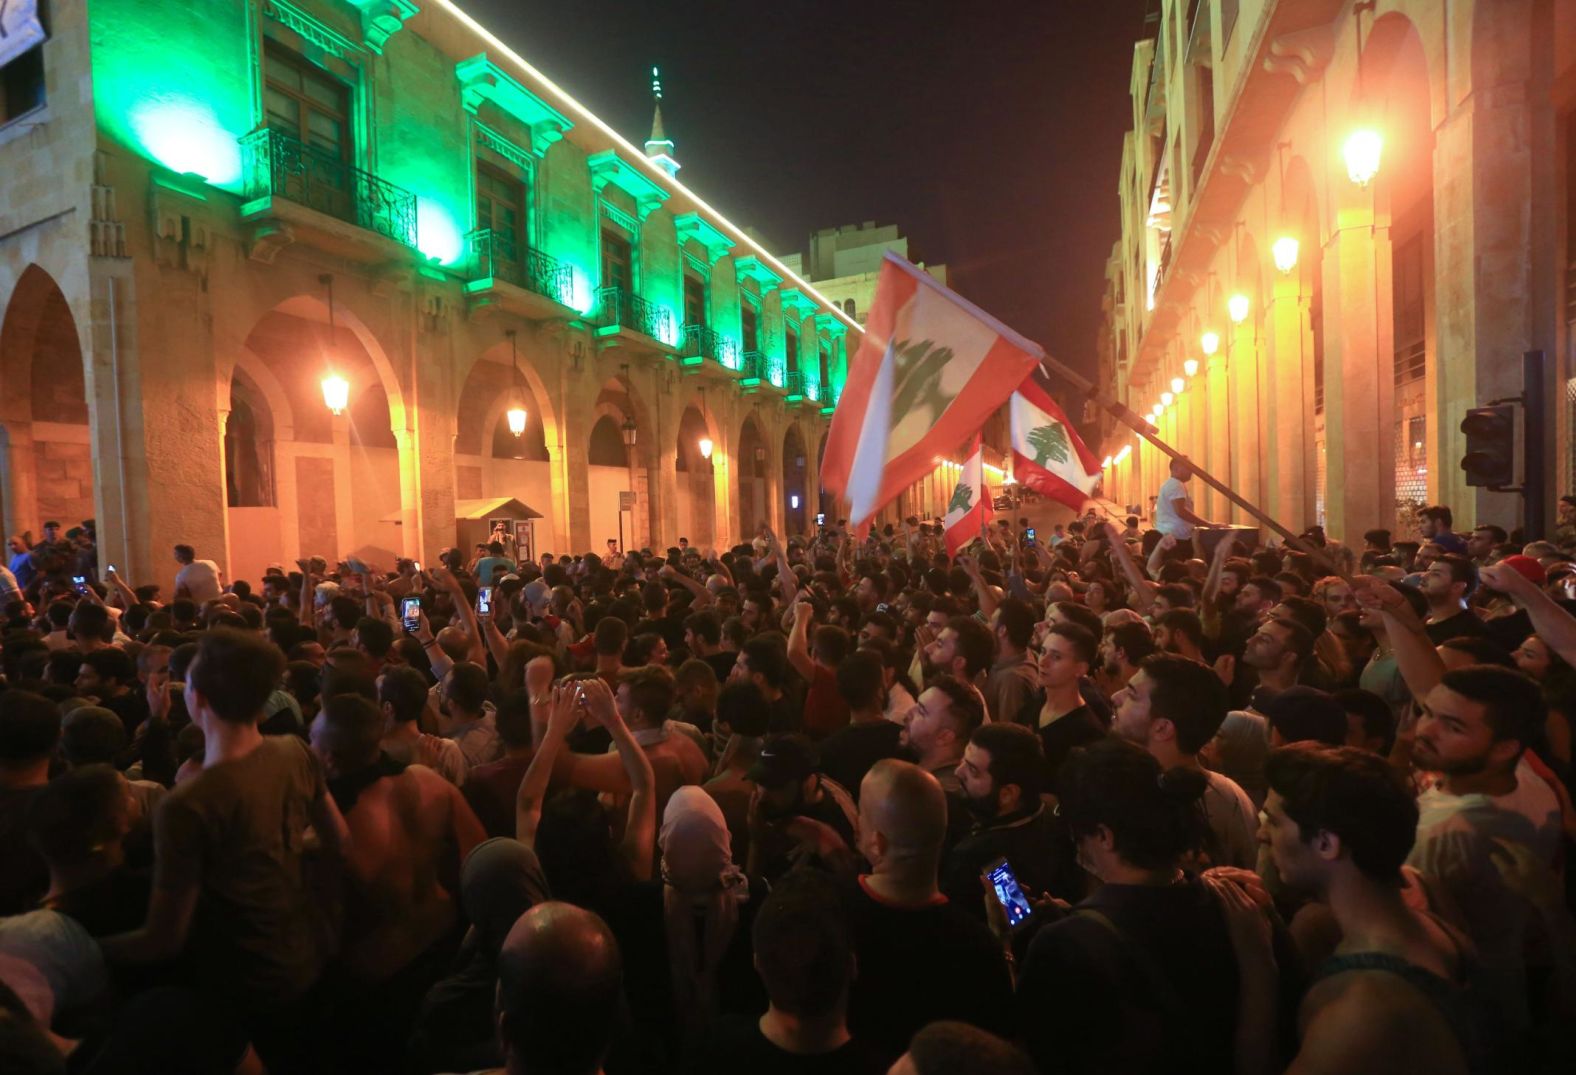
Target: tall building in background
[(1342, 226), (843, 263), (290, 277)]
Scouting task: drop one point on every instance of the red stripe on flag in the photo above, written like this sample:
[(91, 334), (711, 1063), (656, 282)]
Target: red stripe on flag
[(894, 289), (1033, 476)]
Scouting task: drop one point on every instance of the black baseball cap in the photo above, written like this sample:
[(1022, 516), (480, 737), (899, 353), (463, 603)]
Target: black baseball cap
[(784, 759)]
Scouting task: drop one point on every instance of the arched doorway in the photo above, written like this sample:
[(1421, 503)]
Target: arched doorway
[(754, 511), (615, 469), (490, 459), (338, 481), (695, 489), (47, 468), (796, 493)]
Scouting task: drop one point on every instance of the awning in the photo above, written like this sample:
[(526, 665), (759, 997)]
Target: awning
[(493, 507)]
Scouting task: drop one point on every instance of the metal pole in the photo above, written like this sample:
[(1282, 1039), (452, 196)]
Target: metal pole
[(1534, 463)]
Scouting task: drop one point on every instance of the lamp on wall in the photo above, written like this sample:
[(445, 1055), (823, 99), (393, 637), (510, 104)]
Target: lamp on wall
[(1209, 343), (516, 413), (1190, 366), (1237, 307), (1362, 151), (1166, 399), (1284, 251), (1177, 385), (336, 390)]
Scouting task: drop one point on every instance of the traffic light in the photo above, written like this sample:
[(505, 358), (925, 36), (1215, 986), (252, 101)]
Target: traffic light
[(1491, 446)]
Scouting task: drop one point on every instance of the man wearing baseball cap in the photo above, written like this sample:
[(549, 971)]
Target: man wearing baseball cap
[(798, 811), (1507, 623)]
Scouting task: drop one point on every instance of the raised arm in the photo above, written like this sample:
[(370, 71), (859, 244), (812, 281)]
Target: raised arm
[(1143, 592), (669, 573), (435, 654), (1415, 656), (1555, 626), (798, 641), (123, 593), (533, 787), (477, 653), (640, 828), (989, 599)]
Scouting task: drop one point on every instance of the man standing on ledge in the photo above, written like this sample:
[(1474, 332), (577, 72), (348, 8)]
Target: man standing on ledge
[(1174, 507)]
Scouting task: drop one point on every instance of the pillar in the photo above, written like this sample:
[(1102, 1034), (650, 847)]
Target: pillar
[(1289, 440), (20, 476), (1247, 446), (1216, 385)]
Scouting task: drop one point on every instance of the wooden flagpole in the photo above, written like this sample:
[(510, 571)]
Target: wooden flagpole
[(1146, 430)]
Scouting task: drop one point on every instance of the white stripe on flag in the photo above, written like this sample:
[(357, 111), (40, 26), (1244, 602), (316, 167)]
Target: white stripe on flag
[(870, 455)]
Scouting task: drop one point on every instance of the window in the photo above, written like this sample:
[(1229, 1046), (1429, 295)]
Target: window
[(792, 353), (694, 299), (22, 85), (306, 102), (617, 261), (500, 207), (749, 326), (850, 307)]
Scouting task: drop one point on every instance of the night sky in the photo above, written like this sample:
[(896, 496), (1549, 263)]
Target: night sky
[(991, 133)]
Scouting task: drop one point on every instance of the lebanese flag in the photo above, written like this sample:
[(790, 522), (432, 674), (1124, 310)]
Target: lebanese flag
[(969, 510), (930, 369), (1048, 455)]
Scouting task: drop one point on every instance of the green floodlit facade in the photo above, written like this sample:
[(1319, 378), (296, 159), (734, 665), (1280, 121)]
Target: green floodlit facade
[(258, 194)]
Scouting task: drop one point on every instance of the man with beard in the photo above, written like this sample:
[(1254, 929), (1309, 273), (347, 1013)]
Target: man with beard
[(1121, 652), (964, 648), (1002, 776), (1475, 724), (1448, 584), (938, 727), (797, 811)]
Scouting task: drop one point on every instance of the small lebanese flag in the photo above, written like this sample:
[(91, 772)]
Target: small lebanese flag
[(969, 510), (1048, 456), (930, 369)]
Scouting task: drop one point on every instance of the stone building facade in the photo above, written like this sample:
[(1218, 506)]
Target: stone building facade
[(1329, 315), (213, 213)]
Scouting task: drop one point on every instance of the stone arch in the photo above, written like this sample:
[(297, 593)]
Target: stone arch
[(620, 399), (695, 475), (752, 464), (249, 439), (46, 459), (542, 416)]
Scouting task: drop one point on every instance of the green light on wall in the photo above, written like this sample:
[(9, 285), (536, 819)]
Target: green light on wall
[(185, 135), (670, 328), (437, 233), (582, 296)]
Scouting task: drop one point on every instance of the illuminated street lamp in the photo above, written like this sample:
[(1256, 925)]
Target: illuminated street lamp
[(629, 432), (1190, 366), (1237, 307), (1362, 152), (793, 501), (336, 393), (1209, 342), (705, 447), (1166, 399), (1284, 251), (516, 413), (1177, 385)]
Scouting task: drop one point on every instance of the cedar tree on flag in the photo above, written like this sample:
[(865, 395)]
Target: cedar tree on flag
[(1048, 455), (969, 510), (930, 370)]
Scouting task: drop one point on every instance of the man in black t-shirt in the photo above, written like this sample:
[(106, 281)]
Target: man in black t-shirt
[(848, 753), (920, 958), (800, 813), (805, 959), (1448, 584)]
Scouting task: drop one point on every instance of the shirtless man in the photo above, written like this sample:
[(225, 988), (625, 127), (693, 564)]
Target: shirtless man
[(1339, 823), (406, 824)]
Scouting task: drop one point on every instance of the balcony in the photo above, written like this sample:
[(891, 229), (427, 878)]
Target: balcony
[(621, 315), (760, 369), (523, 281), (828, 396), (296, 192), (697, 343), (801, 386)]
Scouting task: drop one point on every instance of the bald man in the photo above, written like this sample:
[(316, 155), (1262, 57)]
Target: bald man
[(920, 959), (560, 992)]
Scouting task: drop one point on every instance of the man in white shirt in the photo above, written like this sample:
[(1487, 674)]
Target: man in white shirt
[(198, 578), (1174, 506)]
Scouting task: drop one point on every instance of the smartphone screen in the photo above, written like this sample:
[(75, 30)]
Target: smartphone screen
[(820, 518), (1029, 533), (1011, 897), (484, 601), (410, 613)]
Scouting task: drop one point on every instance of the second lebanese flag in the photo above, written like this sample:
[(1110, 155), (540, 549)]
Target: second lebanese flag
[(1048, 456), (969, 510), (930, 370)]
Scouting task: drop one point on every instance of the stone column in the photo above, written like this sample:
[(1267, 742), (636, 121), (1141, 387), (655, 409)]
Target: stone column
[(21, 485), (1220, 454), (1496, 249), (1289, 441), (1247, 448), (1359, 387)]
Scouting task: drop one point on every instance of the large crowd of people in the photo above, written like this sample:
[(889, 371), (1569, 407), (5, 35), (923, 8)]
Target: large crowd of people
[(1106, 800)]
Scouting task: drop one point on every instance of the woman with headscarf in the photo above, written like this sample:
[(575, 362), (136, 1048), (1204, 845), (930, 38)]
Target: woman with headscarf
[(500, 880)]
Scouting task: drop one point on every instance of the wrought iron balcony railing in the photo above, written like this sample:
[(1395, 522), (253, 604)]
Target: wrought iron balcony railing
[(278, 163), (698, 341), (617, 308), (828, 394), (753, 365), (498, 257), (798, 385)]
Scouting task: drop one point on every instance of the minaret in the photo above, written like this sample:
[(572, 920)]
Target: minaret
[(659, 147)]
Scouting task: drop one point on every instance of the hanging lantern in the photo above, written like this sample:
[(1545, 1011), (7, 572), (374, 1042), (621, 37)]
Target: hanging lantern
[(1284, 251), (1209, 342), (1190, 366), (1237, 307), (1362, 152), (516, 417), (1177, 384), (705, 447), (336, 393)]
